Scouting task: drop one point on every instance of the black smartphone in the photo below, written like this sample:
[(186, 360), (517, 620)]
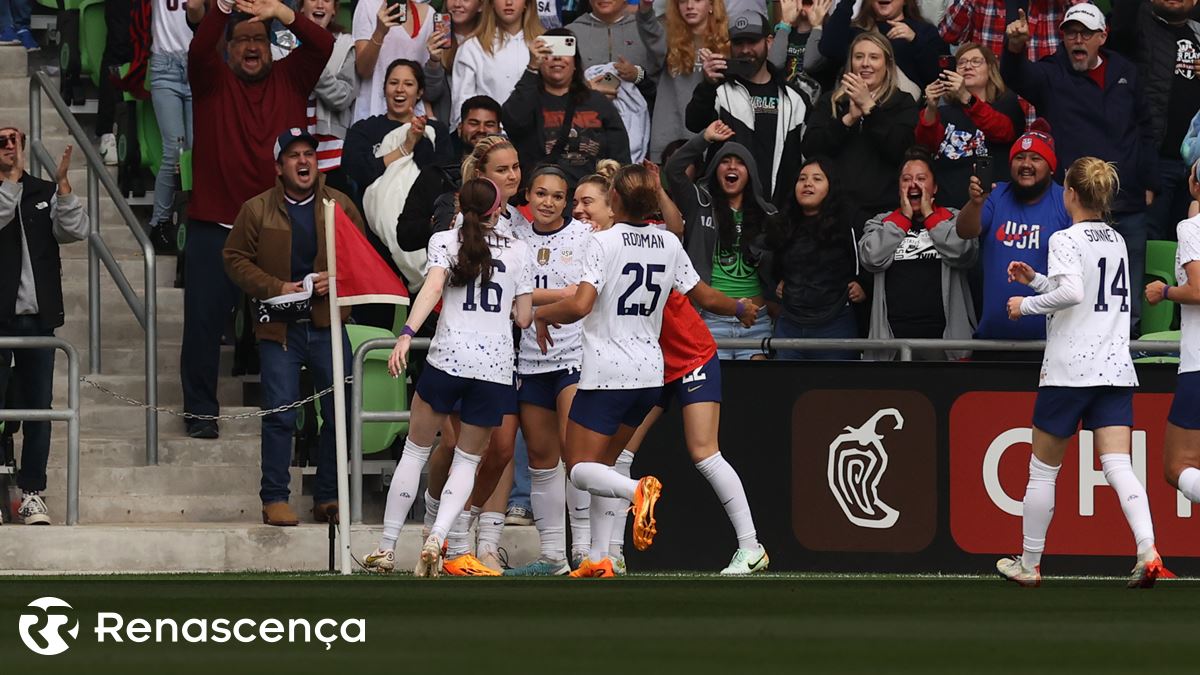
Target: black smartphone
[(946, 62), (983, 168), (743, 69), (403, 5)]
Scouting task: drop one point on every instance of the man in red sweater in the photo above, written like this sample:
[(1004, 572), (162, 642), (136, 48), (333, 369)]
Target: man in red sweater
[(240, 105)]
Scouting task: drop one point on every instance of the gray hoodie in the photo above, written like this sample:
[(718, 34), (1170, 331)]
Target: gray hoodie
[(632, 36), (700, 238)]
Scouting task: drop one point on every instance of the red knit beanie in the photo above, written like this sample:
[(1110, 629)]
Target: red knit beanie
[(1035, 141)]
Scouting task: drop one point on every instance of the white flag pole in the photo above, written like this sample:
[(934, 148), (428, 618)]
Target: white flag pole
[(339, 393)]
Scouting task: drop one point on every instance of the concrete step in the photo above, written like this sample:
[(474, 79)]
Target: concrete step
[(244, 508), (112, 303), (75, 272), (131, 361), (110, 420), (166, 480), (173, 450), (134, 386), (210, 547), (14, 62), (117, 328)]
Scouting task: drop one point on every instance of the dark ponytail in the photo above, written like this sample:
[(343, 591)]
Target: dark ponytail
[(477, 201)]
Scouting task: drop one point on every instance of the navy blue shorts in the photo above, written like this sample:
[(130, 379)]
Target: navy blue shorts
[(1059, 410), (477, 402), (542, 389), (605, 410), (1185, 407), (702, 385)]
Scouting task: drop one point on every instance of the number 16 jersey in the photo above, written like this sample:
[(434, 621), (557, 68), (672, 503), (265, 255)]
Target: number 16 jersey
[(633, 268), (1087, 345)]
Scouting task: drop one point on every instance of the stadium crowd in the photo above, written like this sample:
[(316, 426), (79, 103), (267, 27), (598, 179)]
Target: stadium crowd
[(848, 169)]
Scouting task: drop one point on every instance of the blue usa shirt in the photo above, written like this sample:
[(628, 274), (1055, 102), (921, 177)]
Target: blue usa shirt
[(1015, 231)]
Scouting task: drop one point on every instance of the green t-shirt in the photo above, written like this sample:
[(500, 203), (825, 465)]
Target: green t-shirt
[(732, 274)]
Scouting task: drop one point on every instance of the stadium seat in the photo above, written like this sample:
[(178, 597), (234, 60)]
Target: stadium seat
[(1160, 264), (149, 137), (92, 34), (1165, 336), (380, 391)]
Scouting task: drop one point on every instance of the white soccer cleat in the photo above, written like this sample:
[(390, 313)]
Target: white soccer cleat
[(1015, 571), (380, 561), (33, 510), (578, 555), (108, 150), (1148, 569), (747, 561), (491, 561), (429, 562)]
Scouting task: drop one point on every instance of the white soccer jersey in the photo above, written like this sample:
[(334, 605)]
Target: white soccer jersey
[(633, 268), (1189, 323), (474, 331), (509, 221), (557, 263), (1087, 345)]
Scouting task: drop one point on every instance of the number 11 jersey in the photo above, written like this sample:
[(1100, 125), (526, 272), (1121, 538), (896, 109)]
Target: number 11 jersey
[(633, 268), (1087, 345)]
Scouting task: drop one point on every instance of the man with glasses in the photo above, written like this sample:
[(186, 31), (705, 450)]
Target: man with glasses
[(240, 103), (35, 217), (1090, 97)]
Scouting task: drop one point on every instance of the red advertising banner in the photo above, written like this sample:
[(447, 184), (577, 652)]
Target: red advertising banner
[(990, 438)]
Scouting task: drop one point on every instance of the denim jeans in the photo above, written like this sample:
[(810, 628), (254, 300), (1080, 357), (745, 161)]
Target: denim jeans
[(519, 496), (172, 98), (208, 299), (34, 370), (1132, 227), (842, 325), (310, 347), (730, 327), (15, 13), (1170, 206)]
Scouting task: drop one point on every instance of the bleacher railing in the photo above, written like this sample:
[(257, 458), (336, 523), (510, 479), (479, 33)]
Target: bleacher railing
[(70, 415), (903, 348), (145, 309)]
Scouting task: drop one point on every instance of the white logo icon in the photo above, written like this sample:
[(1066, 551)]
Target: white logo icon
[(857, 462), (51, 633)]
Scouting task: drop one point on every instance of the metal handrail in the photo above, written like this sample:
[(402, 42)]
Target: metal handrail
[(905, 349), (144, 310), (70, 415)]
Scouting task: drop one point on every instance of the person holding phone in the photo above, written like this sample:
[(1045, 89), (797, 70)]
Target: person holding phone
[(386, 30), (491, 61), (610, 34), (449, 31), (968, 115)]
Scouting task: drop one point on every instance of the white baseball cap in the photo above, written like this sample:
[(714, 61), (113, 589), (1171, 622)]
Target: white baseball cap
[(1087, 14)]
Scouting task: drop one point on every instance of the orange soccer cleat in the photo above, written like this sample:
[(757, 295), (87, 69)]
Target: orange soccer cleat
[(648, 491), (1148, 570), (595, 570), (467, 566)]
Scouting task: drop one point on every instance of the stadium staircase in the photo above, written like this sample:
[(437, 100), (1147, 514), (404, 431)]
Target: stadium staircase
[(198, 508)]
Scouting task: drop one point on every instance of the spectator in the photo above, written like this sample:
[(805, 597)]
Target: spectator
[(969, 115), (609, 34), (118, 49), (31, 302), (14, 24), (799, 28), (240, 103), (693, 26), (1091, 98), (277, 248), (915, 42), (1189, 149), (864, 126), (920, 265), (813, 250), (766, 114), (171, 96), (1014, 222), (330, 111), (491, 61), (422, 217), (377, 46), (536, 115), (984, 22), (443, 46), (1158, 37), (723, 215)]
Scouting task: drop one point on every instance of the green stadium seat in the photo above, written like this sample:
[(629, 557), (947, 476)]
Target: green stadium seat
[(380, 391), (1166, 336), (1160, 265), (149, 137), (92, 34)]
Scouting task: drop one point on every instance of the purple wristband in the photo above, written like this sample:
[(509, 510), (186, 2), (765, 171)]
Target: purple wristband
[(408, 331), (739, 309)]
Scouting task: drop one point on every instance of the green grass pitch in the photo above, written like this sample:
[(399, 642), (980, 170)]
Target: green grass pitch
[(641, 624)]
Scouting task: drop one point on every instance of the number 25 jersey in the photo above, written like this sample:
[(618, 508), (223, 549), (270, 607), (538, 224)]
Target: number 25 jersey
[(1087, 345), (474, 332), (633, 268)]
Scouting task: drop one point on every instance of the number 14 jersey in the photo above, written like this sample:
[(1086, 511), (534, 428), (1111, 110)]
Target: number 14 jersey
[(1087, 345), (633, 268)]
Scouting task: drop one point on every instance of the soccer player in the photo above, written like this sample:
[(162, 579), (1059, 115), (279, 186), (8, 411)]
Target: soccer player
[(1181, 447), (470, 361), (1087, 373), (620, 299)]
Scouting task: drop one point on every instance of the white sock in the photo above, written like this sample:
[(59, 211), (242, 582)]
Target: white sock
[(402, 492), (547, 495), (491, 526), (578, 506), (431, 511), (457, 491), (728, 486), (604, 514), (1038, 510), (458, 540), (603, 481), (1118, 471), (1189, 483), (617, 542)]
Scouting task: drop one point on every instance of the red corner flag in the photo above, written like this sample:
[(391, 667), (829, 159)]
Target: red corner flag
[(362, 276)]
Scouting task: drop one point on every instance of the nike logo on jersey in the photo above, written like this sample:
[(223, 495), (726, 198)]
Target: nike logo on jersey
[(692, 389)]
